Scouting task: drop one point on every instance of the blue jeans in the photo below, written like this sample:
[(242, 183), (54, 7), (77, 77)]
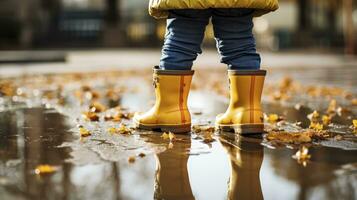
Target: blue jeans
[(232, 31)]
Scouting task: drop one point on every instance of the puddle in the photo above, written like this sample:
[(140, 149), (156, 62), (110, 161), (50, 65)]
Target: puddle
[(229, 167)]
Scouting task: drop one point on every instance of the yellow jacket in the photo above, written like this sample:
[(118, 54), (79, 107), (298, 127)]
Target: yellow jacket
[(159, 8)]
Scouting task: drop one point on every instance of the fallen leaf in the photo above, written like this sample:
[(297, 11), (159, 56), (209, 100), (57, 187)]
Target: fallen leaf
[(165, 136), (45, 169), (123, 130), (96, 107), (172, 136), (314, 116), (90, 116), (273, 118), (204, 129), (285, 137), (131, 159), (84, 132), (326, 120), (112, 130), (316, 126), (141, 155), (354, 122)]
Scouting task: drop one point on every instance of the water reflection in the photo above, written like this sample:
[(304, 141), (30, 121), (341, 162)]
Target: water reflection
[(171, 175), (246, 157), (231, 168), (29, 138)]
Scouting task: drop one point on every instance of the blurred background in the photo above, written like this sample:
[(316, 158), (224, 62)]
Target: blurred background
[(44, 36), (321, 25)]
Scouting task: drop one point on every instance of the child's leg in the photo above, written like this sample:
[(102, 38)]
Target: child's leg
[(235, 40), (184, 35)]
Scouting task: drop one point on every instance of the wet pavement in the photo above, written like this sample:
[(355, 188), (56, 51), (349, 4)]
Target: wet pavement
[(39, 125)]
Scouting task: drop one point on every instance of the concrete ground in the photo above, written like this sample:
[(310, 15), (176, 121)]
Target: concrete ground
[(99, 60)]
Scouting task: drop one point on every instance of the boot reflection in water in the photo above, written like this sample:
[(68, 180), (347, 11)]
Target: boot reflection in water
[(172, 180), (246, 157)]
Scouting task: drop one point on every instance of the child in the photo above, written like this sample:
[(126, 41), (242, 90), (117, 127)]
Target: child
[(186, 22)]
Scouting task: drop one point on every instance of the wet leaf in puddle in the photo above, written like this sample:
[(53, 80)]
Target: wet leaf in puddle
[(123, 130), (354, 126), (45, 169), (273, 118), (90, 116), (165, 136), (326, 120), (204, 132), (141, 155), (285, 137), (302, 156), (96, 107), (84, 132), (131, 159), (172, 136), (316, 126), (314, 116)]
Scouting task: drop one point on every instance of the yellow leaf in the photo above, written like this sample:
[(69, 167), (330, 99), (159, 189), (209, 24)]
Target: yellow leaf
[(354, 123), (90, 116), (172, 136), (273, 118), (84, 132), (165, 136), (121, 130), (97, 107), (112, 130), (45, 169), (286, 137), (314, 116), (316, 126), (124, 130), (326, 120)]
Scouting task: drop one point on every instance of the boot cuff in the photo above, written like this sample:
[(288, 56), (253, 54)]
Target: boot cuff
[(159, 71), (247, 72)]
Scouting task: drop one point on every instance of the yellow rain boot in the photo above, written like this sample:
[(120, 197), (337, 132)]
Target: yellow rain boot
[(244, 114), (170, 112)]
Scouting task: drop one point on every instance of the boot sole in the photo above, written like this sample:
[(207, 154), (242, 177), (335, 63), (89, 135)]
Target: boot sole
[(166, 128), (243, 128)]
